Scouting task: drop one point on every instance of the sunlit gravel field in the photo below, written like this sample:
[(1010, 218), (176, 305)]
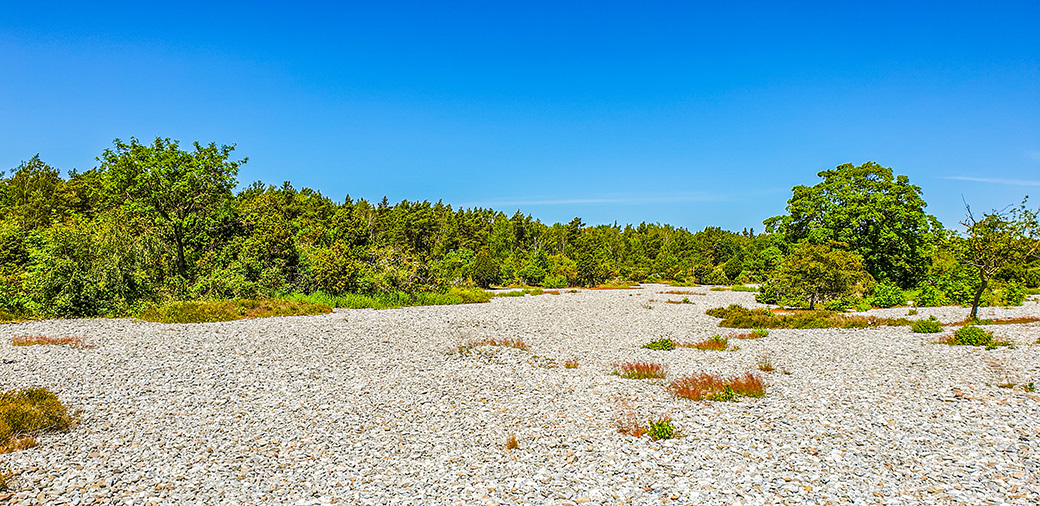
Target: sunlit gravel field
[(380, 407)]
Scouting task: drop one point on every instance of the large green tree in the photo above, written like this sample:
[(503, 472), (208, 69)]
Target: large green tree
[(180, 194), (879, 216), (818, 273)]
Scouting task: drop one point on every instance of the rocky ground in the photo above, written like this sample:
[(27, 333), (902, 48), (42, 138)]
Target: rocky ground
[(378, 407)]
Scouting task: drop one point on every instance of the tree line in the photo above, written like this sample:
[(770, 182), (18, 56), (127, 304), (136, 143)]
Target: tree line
[(156, 222)]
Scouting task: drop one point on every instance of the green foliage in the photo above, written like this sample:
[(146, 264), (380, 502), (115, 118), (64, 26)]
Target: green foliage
[(818, 273), (394, 299), (971, 335), (997, 241), (929, 295), (929, 326), (485, 270), (554, 281), (880, 217), (227, 310), (887, 295), (742, 288), (735, 316), (661, 428), (664, 344)]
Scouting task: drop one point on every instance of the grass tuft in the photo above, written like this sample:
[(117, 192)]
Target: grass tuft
[(713, 343), (716, 388), (30, 411), (661, 428), (570, 364), (754, 334), (511, 443), (765, 364), (929, 326), (660, 344), (73, 341), (682, 292), (628, 423), (735, 316), (639, 370), (975, 336)]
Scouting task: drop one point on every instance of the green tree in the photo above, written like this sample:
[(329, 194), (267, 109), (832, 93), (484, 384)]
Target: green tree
[(999, 240), (181, 194), (879, 216), (485, 270), (819, 273)]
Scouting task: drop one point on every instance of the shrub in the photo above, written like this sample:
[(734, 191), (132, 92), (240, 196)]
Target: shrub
[(887, 295), (27, 412), (484, 270), (742, 288), (929, 326), (639, 370), (1012, 294), (555, 281), (661, 428), (735, 316), (716, 388), (660, 344), (713, 343), (765, 364), (974, 336), (930, 296)]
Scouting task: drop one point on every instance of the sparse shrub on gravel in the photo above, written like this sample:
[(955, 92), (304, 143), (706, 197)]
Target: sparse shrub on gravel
[(713, 343), (716, 388), (754, 334), (887, 295), (660, 344), (661, 428), (628, 423), (929, 326), (26, 412), (975, 336), (508, 343), (735, 316), (227, 310), (742, 288), (765, 364), (73, 341), (570, 364), (639, 370)]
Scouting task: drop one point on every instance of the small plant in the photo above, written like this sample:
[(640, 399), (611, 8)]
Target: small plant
[(26, 412), (639, 370), (570, 364), (646, 306), (511, 443), (713, 387), (629, 424), (929, 326), (911, 312), (1029, 387), (508, 343), (661, 428), (713, 343), (758, 333), (974, 336), (75, 342), (765, 365), (660, 344)]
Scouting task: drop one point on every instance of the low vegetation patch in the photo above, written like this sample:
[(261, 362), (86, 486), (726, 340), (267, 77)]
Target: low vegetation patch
[(227, 310), (392, 300), (507, 343), (735, 316), (743, 288), (72, 341), (682, 292), (526, 291), (754, 334), (765, 364), (28, 412), (719, 288), (661, 428), (570, 364), (975, 336), (660, 344), (713, 343), (929, 326), (683, 301), (640, 370), (716, 388), (998, 321), (511, 443)]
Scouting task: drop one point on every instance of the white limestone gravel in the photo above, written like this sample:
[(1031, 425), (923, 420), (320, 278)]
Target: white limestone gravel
[(372, 407)]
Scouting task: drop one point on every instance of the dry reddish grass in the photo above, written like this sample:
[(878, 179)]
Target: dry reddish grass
[(640, 370), (511, 443), (509, 343), (551, 292), (73, 341), (713, 387), (570, 364), (714, 343), (1001, 321), (629, 424), (682, 292)]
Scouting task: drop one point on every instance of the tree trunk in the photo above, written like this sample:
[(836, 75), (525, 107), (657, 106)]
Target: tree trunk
[(977, 299)]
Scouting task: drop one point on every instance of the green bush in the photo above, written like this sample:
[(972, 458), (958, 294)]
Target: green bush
[(971, 335), (555, 281), (660, 344), (929, 326), (1012, 294), (485, 271), (735, 316), (661, 428), (228, 310), (929, 295), (887, 295)]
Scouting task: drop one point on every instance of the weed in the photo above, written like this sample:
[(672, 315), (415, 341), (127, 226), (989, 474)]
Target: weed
[(713, 387), (1006, 385), (29, 411), (551, 292), (765, 365), (511, 443), (661, 428), (75, 342), (681, 292), (912, 312), (929, 326), (639, 370), (570, 364), (521, 293), (664, 344), (629, 424), (227, 310), (508, 343), (742, 288), (735, 316), (1029, 387), (719, 288), (686, 300), (713, 343)]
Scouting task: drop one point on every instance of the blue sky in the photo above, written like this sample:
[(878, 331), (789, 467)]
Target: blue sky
[(689, 113)]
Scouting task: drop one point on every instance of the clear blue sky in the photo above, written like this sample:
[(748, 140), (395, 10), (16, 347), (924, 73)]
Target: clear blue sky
[(689, 113)]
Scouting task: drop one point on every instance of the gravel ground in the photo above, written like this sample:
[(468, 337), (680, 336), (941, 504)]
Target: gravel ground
[(373, 407)]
